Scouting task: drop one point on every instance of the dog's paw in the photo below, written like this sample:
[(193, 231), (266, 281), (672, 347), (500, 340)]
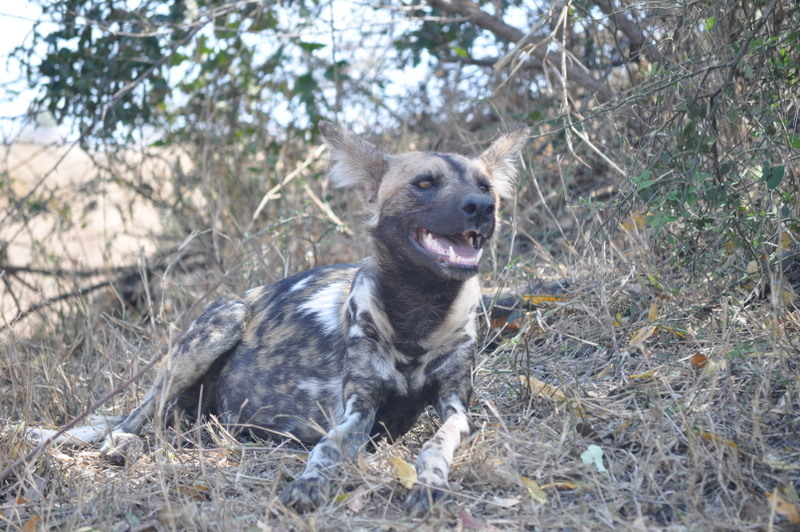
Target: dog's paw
[(421, 499), (121, 448), (306, 494)]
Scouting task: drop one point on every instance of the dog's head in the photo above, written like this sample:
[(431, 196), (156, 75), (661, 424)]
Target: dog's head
[(430, 210)]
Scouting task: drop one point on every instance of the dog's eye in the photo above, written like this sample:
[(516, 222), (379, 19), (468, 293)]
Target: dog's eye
[(424, 183), (484, 188)]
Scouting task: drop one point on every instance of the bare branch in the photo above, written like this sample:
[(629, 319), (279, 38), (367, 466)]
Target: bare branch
[(632, 31), (541, 49)]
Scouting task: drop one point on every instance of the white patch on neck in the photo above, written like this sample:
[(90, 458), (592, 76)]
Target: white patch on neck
[(460, 318)]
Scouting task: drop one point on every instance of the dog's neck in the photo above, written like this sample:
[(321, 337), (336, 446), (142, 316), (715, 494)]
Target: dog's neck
[(416, 301)]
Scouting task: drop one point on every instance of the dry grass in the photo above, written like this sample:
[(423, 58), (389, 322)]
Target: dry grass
[(685, 447)]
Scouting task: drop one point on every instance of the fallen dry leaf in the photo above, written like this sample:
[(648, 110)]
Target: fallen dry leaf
[(787, 509), (561, 486), (716, 438), (604, 372), (356, 501), (542, 389), (196, 490), (645, 375), (544, 298), (534, 490), (586, 430), (32, 524), (505, 502), (713, 366), (641, 336), (471, 523), (652, 312), (674, 330), (698, 361), (403, 472)]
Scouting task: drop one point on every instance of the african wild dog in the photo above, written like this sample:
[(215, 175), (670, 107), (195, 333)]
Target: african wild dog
[(359, 349)]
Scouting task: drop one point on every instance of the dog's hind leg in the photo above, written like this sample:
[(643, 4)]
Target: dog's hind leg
[(214, 333)]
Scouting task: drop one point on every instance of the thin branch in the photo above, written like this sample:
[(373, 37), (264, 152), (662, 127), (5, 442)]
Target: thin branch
[(61, 272), (159, 261), (55, 299), (540, 49), (632, 31)]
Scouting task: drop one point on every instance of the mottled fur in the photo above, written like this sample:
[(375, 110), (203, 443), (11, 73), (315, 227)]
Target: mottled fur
[(357, 350)]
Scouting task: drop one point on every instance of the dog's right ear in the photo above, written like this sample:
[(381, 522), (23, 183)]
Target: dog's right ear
[(356, 162)]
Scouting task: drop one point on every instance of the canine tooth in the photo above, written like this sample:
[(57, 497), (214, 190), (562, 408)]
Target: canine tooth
[(452, 254), (478, 257)]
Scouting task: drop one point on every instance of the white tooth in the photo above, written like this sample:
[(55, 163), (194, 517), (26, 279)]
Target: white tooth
[(452, 254), (478, 258), (431, 242)]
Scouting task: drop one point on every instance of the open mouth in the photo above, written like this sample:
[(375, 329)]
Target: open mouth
[(461, 250)]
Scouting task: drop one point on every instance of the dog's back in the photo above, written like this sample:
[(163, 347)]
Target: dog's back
[(284, 375)]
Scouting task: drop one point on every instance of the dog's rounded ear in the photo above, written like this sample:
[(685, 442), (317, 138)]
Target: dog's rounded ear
[(501, 160), (356, 162)]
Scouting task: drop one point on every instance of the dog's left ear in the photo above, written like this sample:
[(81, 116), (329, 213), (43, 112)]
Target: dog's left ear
[(356, 162), (501, 160)]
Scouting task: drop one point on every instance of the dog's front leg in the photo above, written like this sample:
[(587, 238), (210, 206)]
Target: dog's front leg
[(433, 463), (349, 435)]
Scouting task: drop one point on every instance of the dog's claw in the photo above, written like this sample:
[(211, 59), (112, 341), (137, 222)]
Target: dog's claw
[(421, 499), (121, 447), (306, 494)]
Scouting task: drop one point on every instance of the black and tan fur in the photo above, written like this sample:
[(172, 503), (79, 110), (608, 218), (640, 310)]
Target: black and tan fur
[(359, 350)]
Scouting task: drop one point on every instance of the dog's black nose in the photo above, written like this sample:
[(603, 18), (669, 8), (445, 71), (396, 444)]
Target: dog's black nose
[(477, 206)]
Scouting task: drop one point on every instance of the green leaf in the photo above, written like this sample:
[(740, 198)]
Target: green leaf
[(177, 58), (641, 185), (775, 176), (643, 180), (794, 140), (310, 46), (710, 23), (660, 219), (460, 52)]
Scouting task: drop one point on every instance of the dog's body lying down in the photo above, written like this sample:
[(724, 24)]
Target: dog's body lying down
[(359, 350)]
